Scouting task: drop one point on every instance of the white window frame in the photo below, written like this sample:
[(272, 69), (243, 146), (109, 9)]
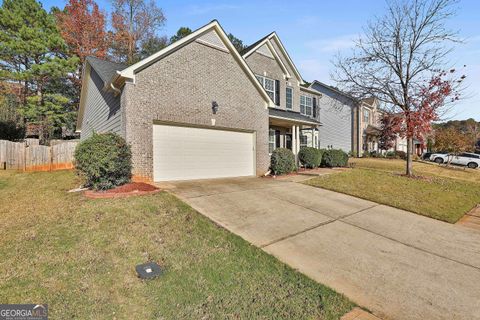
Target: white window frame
[(367, 118), (263, 82), (271, 143), (306, 105), (302, 144), (287, 101)]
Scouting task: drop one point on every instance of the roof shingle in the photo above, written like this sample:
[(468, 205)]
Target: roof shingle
[(105, 69)]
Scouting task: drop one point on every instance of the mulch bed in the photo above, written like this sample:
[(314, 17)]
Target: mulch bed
[(126, 190)]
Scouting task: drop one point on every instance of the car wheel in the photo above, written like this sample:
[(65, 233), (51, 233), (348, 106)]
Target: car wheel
[(472, 165), (439, 160)]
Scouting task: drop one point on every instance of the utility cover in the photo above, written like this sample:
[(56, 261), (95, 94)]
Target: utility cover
[(148, 270)]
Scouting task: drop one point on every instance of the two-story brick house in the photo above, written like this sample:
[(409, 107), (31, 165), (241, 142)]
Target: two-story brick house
[(199, 109), (293, 120)]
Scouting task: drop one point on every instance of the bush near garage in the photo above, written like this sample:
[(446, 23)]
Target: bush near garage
[(334, 158), (104, 161), (282, 161), (310, 157)]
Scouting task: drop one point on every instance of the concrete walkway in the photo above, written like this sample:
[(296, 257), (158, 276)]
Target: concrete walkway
[(397, 264)]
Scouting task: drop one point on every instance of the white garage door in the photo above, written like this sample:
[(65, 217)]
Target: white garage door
[(182, 153)]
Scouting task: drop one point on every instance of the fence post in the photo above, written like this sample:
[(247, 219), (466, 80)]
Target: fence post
[(24, 155), (50, 149)]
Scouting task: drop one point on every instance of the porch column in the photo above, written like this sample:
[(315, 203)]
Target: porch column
[(294, 140), (313, 138), (298, 139)]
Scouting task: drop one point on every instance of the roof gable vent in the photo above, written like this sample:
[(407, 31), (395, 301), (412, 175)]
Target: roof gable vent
[(212, 38)]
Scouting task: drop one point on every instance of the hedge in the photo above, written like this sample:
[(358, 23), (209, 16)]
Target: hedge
[(104, 161), (310, 157), (334, 158), (282, 161)]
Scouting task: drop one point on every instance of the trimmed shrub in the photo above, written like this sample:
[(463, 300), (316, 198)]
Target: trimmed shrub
[(104, 161), (282, 161), (334, 158), (310, 157), (390, 155), (401, 154)]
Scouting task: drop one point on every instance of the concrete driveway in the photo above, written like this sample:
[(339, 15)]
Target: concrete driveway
[(397, 264)]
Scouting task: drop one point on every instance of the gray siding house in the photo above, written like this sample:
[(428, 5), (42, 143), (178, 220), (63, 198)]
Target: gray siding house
[(337, 112), (103, 113)]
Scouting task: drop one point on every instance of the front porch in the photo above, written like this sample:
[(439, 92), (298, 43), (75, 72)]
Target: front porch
[(293, 132)]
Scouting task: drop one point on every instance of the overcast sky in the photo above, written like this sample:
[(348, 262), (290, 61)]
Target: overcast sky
[(314, 31)]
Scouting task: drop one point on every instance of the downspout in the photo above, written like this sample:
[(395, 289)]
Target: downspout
[(117, 91)]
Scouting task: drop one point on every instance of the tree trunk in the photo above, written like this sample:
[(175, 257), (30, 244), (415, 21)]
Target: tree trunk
[(409, 170)]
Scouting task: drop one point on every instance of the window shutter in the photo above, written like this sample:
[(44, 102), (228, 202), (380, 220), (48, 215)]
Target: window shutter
[(314, 107), (277, 92), (277, 138)]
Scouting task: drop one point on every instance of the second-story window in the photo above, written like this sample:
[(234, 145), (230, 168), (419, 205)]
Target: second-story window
[(366, 116), (306, 105), (289, 94), (269, 86)]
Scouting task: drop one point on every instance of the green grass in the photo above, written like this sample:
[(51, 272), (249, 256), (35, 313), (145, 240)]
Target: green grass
[(78, 255), (445, 194)]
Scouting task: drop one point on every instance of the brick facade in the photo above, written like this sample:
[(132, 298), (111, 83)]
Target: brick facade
[(180, 88)]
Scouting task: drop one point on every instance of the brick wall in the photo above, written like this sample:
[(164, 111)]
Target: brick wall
[(180, 88)]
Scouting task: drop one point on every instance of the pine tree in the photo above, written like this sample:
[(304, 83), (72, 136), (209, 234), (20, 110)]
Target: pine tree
[(33, 53)]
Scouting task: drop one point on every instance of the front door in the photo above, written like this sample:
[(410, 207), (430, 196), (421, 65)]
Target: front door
[(288, 141)]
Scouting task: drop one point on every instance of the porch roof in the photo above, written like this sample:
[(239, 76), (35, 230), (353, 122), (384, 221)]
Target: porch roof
[(373, 130), (291, 116)]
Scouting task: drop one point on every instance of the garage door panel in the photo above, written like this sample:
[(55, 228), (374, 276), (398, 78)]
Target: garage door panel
[(182, 153)]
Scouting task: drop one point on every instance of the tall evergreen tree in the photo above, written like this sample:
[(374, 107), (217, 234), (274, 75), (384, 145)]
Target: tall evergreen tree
[(33, 53)]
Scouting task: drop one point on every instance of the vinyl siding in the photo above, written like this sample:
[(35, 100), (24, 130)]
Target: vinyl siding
[(102, 108), (336, 116)]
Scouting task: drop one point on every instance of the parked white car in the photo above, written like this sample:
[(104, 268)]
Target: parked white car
[(471, 160)]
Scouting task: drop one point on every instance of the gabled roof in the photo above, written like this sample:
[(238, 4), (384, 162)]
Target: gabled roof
[(105, 69), (266, 40), (129, 73), (333, 89)]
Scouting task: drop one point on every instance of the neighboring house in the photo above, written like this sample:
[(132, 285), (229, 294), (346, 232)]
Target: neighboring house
[(193, 110), (293, 119), (369, 128), (338, 115)]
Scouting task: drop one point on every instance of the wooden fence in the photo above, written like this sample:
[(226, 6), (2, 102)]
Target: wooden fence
[(30, 156)]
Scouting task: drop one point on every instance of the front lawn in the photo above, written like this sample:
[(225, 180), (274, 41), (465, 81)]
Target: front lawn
[(443, 193), (78, 255)]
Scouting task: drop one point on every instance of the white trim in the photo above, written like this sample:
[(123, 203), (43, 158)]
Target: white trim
[(83, 91), (277, 57), (274, 91), (130, 72), (286, 97), (211, 45), (310, 90), (294, 120), (274, 35), (306, 105)]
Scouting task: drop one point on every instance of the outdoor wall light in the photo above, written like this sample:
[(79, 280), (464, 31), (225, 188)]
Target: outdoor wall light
[(148, 270), (214, 107)]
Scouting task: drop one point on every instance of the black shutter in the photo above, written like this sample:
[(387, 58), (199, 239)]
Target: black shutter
[(277, 92), (277, 138), (315, 108)]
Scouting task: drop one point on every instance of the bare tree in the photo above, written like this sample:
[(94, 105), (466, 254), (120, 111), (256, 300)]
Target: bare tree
[(133, 23), (398, 56)]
